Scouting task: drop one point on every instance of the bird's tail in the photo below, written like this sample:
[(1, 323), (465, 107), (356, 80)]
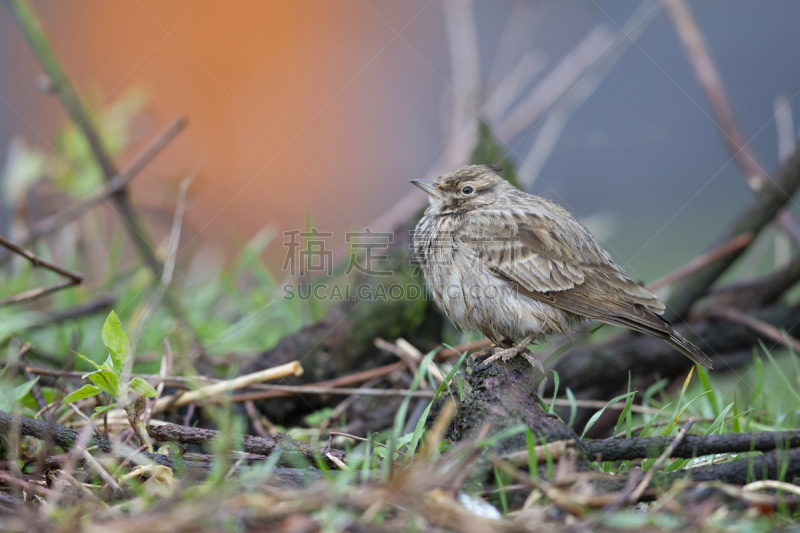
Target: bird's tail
[(689, 350)]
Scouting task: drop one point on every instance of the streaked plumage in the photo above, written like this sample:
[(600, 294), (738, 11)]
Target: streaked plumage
[(510, 265)]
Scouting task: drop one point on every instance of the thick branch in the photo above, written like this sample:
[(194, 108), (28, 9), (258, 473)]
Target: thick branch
[(767, 466), (265, 446), (759, 292), (61, 435), (774, 194), (692, 445), (66, 438)]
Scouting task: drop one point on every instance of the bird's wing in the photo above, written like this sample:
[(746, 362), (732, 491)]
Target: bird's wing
[(562, 266), (546, 263)]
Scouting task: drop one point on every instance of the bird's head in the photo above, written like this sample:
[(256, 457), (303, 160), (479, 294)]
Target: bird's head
[(463, 189)]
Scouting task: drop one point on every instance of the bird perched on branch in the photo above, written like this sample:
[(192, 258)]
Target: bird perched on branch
[(519, 268)]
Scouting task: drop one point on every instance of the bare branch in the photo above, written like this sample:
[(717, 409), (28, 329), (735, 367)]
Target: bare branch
[(31, 25), (113, 186), (592, 48), (712, 85), (74, 278), (583, 88)]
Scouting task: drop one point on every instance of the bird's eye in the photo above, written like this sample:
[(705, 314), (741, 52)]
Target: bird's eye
[(467, 190)]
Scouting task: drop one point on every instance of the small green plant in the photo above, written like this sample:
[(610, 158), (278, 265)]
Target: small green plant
[(108, 378), (9, 399)]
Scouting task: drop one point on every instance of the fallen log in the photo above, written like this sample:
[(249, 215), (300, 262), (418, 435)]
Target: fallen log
[(66, 438), (288, 446)]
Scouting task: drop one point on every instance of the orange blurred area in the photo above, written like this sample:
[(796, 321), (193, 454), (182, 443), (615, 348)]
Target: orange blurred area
[(286, 101)]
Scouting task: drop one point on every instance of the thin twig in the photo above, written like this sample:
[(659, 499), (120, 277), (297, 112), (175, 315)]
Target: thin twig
[(97, 467), (583, 88), (784, 124), (599, 404), (31, 25), (255, 419), (312, 389), (36, 293), (586, 54), (164, 371), (73, 278), (128, 459), (91, 496), (8, 479), (711, 83), (215, 391), (661, 424), (340, 408), (772, 484), (113, 186), (462, 40), (169, 264), (68, 465), (510, 87), (639, 490)]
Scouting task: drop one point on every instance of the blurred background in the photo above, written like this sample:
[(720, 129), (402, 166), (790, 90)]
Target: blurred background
[(306, 114), (302, 109)]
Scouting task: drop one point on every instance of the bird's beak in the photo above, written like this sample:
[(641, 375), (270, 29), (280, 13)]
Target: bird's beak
[(428, 186)]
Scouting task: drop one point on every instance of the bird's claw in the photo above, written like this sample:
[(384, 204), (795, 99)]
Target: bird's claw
[(507, 353)]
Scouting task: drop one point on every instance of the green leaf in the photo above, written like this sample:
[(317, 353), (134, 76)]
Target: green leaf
[(87, 391), (312, 419), (106, 381), (142, 387), (533, 462), (117, 342), (17, 393), (702, 373), (100, 409)]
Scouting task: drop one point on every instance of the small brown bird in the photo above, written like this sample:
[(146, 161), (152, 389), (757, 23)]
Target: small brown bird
[(517, 267)]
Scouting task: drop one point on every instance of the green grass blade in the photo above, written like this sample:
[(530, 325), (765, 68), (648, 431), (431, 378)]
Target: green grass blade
[(599, 413)]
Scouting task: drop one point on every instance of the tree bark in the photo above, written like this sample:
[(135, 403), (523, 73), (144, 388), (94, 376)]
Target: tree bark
[(503, 395), (691, 445), (66, 438), (288, 446)]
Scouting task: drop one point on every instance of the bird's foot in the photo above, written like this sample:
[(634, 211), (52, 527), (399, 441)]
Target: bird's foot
[(507, 353), (477, 355)]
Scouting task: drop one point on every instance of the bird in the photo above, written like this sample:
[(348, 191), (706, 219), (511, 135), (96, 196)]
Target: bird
[(519, 268)]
